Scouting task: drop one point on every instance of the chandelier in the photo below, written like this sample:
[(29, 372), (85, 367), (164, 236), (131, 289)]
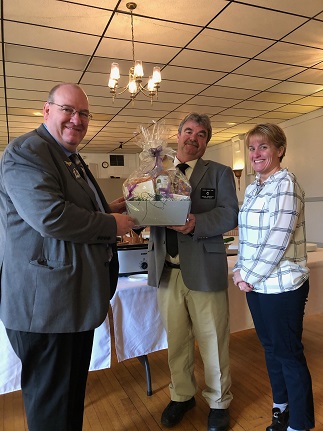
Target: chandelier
[(136, 73)]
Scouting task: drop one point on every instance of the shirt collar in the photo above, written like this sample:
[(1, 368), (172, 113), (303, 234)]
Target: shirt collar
[(191, 163), (68, 153)]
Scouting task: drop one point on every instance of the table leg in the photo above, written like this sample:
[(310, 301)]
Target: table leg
[(144, 361)]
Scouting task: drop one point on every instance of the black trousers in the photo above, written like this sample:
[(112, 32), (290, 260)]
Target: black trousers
[(53, 379)]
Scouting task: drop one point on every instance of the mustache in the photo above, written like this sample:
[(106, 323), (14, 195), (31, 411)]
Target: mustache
[(190, 142)]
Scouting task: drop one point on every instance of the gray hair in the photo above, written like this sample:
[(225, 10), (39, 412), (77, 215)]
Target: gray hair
[(201, 119)]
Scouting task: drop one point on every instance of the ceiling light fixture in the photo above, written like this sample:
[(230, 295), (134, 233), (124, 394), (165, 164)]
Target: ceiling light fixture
[(136, 73)]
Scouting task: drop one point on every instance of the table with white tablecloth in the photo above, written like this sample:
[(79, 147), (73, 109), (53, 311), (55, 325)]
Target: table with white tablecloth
[(137, 325), (138, 329)]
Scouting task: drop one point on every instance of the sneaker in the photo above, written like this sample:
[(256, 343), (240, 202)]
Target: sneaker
[(175, 412), (218, 420), (279, 420)]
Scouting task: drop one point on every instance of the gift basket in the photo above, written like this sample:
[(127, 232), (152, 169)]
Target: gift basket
[(156, 193)]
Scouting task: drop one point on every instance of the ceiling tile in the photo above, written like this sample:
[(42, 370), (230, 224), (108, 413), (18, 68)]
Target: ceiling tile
[(223, 42), (182, 10), (66, 16), (39, 72), (260, 106), (297, 55), (41, 37), (276, 97), (206, 60), (245, 19), (214, 101), (247, 82), (310, 76), (270, 70), (191, 74), (309, 8), (151, 31), (312, 101), (309, 34), (296, 88), (115, 49), (229, 92), (28, 55), (103, 4), (301, 109), (277, 117)]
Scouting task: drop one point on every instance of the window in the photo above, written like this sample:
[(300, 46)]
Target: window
[(116, 160)]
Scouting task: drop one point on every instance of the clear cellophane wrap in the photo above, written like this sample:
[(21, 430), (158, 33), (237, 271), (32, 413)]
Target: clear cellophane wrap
[(156, 178)]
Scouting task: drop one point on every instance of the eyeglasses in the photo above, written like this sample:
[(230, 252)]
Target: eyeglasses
[(69, 111)]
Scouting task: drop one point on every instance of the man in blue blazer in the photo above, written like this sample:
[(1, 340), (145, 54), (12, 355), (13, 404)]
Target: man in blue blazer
[(192, 283), (58, 258)]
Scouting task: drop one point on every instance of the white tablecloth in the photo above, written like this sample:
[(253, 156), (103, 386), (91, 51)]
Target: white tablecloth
[(137, 326), (138, 329)]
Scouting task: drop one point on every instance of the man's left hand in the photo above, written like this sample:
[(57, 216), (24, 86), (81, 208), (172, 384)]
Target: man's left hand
[(188, 227)]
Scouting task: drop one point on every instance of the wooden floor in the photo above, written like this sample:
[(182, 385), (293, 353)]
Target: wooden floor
[(116, 398)]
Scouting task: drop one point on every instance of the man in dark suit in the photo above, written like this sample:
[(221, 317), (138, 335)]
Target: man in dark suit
[(59, 264), (192, 282)]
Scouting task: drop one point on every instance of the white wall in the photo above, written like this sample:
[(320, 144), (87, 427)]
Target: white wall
[(131, 162), (304, 157), (111, 187), (223, 153)]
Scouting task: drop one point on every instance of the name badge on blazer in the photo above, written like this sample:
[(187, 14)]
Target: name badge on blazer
[(207, 193)]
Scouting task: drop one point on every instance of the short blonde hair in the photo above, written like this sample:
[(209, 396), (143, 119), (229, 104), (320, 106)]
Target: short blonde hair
[(272, 132)]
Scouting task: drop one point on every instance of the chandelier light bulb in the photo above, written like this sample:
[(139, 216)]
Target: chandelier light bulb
[(138, 70), (157, 75), (115, 72), (112, 83), (132, 87), (151, 85)]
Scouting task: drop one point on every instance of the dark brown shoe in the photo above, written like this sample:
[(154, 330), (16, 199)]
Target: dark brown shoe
[(175, 412), (279, 420), (218, 420)]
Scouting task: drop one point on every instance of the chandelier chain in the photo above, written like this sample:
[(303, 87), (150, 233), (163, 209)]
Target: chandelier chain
[(132, 38)]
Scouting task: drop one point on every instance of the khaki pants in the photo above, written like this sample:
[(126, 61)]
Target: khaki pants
[(204, 316)]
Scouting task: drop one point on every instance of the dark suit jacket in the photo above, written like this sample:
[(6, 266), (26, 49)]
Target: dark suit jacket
[(202, 255), (54, 254)]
